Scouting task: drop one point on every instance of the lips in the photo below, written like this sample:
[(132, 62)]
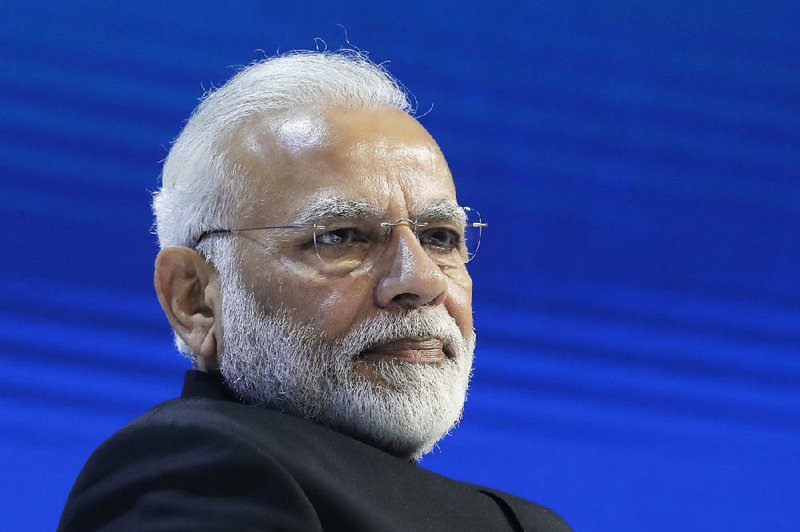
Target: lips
[(421, 351)]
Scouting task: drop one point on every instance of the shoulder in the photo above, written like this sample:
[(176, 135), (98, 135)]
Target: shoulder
[(529, 515), (153, 472), (199, 430)]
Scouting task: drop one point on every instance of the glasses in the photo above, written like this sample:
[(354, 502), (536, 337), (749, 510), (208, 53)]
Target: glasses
[(340, 245)]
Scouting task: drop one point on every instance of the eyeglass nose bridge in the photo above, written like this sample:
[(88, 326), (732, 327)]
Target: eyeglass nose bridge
[(411, 224)]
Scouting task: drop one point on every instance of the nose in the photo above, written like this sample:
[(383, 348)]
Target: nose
[(412, 279)]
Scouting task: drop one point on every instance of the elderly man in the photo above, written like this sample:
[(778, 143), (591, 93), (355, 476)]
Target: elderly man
[(312, 267)]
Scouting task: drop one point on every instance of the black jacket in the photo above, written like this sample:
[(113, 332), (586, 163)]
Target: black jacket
[(208, 462)]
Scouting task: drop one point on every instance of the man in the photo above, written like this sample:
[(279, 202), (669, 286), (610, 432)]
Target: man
[(312, 267)]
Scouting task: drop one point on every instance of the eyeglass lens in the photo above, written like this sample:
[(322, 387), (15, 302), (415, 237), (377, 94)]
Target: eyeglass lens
[(347, 244)]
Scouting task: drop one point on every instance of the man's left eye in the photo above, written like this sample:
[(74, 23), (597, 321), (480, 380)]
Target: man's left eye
[(440, 238)]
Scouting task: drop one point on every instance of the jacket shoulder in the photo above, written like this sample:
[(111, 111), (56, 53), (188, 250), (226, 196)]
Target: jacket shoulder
[(529, 515), (155, 470)]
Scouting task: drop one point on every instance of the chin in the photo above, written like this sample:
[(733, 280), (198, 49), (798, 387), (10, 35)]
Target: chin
[(402, 408)]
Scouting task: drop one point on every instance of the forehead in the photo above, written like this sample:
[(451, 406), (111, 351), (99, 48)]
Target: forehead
[(381, 157)]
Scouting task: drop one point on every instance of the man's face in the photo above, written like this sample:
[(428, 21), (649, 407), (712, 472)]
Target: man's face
[(380, 157), (395, 327)]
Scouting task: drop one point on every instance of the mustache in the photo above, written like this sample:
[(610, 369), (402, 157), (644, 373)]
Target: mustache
[(422, 323)]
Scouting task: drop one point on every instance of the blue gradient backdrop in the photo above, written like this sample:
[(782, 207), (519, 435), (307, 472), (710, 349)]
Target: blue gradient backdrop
[(637, 295)]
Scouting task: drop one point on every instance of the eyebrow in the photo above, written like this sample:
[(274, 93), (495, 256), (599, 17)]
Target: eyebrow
[(347, 209), (340, 208), (442, 210)]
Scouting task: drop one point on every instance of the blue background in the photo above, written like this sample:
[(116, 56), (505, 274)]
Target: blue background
[(637, 294)]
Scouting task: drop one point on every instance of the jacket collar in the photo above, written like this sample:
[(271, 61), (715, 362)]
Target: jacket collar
[(199, 384)]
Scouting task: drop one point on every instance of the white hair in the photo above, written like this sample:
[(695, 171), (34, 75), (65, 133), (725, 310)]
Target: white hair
[(200, 186), (269, 359), (199, 183)]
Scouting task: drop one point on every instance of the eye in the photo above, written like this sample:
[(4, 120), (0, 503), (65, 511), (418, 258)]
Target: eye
[(440, 238), (340, 237)]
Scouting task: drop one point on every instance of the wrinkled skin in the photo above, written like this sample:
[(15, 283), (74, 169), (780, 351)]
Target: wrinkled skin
[(379, 156)]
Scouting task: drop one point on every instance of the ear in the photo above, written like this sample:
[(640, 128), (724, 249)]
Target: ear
[(188, 290)]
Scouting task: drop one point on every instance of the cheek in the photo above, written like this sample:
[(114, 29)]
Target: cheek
[(334, 310), (333, 307), (329, 305), (459, 306)]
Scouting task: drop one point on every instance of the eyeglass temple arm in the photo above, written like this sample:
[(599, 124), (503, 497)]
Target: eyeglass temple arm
[(225, 231), (209, 232)]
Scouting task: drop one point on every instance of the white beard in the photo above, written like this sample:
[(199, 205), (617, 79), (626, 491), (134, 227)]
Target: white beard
[(269, 359)]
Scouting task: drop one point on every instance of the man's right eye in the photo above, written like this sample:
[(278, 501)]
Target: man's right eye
[(339, 237)]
